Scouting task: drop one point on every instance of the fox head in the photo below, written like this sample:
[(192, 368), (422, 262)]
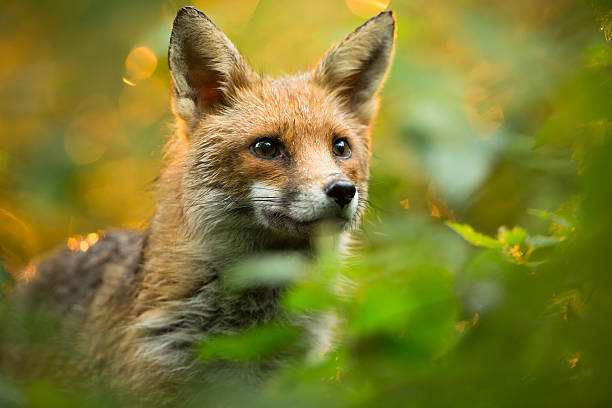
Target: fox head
[(276, 155)]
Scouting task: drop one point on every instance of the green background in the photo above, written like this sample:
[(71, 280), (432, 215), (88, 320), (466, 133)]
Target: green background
[(495, 113)]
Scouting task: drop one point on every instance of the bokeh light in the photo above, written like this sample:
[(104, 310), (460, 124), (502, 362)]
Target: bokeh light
[(367, 8), (140, 63)]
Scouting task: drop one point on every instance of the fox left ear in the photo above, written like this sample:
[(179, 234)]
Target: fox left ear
[(356, 67), (206, 67)]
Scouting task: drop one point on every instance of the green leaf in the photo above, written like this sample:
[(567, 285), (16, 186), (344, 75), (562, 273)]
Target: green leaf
[(473, 237), (384, 307), (309, 296), (270, 270), (542, 241), (548, 216), (253, 344), (512, 237)]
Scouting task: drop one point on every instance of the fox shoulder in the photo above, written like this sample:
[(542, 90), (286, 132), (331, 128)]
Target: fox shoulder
[(68, 280)]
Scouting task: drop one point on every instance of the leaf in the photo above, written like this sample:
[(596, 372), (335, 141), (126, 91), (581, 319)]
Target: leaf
[(251, 345), (309, 296), (542, 241), (384, 307), (512, 237), (548, 216), (270, 270), (473, 237)]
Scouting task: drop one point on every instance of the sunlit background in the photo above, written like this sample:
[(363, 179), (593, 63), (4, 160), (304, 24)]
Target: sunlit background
[(84, 105), (488, 117)]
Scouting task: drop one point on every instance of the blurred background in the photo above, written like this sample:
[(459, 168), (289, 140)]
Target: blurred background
[(84, 99), (495, 113)]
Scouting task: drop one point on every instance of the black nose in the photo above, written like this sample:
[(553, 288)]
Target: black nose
[(341, 191)]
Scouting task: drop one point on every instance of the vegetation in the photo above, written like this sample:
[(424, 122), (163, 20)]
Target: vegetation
[(483, 275)]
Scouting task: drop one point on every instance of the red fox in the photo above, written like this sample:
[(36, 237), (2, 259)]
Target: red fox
[(256, 165)]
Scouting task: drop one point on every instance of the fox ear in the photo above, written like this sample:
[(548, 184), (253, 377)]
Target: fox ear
[(206, 67), (355, 68)]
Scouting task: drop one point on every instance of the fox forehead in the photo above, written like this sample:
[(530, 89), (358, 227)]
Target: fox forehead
[(303, 116), (291, 107)]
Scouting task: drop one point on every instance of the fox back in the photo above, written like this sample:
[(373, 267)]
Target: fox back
[(256, 165)]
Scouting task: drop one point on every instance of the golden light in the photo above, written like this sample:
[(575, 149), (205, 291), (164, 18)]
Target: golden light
[(367, 8), (92, 238), (73, 244), (573, 361), (128, 82), (405, 203), (83, 244), (140, 63)]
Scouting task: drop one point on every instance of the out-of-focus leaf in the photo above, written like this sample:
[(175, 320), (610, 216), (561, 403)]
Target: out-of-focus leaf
[(512, 237), (473, 237), (562, 221), (545, 215), (419, 306), (269, 270), (46, 394), (541, 241), (310, 295), (566, 305), (384, 307), (253, 344)]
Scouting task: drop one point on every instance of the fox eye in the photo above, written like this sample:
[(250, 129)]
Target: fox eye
[(341, 148), (266, 148)]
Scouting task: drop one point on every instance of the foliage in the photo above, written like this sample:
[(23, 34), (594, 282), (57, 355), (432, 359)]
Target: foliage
[(491, 111)]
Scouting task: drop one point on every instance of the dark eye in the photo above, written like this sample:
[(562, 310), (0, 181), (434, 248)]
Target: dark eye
[(341, 148), (266, 148)]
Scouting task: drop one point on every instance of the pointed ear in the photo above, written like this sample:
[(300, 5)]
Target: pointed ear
[(355, 68), (206, 67)]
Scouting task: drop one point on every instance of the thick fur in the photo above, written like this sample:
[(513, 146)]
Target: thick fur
[(141, 302)]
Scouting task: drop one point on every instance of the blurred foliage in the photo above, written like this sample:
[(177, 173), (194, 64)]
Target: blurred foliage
[(494, 114)]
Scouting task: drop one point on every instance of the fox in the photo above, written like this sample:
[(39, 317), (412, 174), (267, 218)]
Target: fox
[(255, 165)]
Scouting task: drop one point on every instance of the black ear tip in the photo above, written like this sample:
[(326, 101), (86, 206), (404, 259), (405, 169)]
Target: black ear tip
[(189, 11), (385, 15), (381, 19), (185, 17)]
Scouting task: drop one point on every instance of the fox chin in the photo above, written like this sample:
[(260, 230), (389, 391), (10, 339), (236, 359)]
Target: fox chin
[(256, 164)]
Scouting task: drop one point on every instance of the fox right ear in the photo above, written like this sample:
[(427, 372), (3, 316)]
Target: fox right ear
[(206, 67), (355, 68)]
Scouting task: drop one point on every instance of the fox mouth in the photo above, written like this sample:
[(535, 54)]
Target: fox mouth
[(282, 222)]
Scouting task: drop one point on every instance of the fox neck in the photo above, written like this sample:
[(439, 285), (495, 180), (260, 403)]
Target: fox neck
[(181, 257)]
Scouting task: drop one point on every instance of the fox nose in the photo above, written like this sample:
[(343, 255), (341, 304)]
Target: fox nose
[(341, 191)]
